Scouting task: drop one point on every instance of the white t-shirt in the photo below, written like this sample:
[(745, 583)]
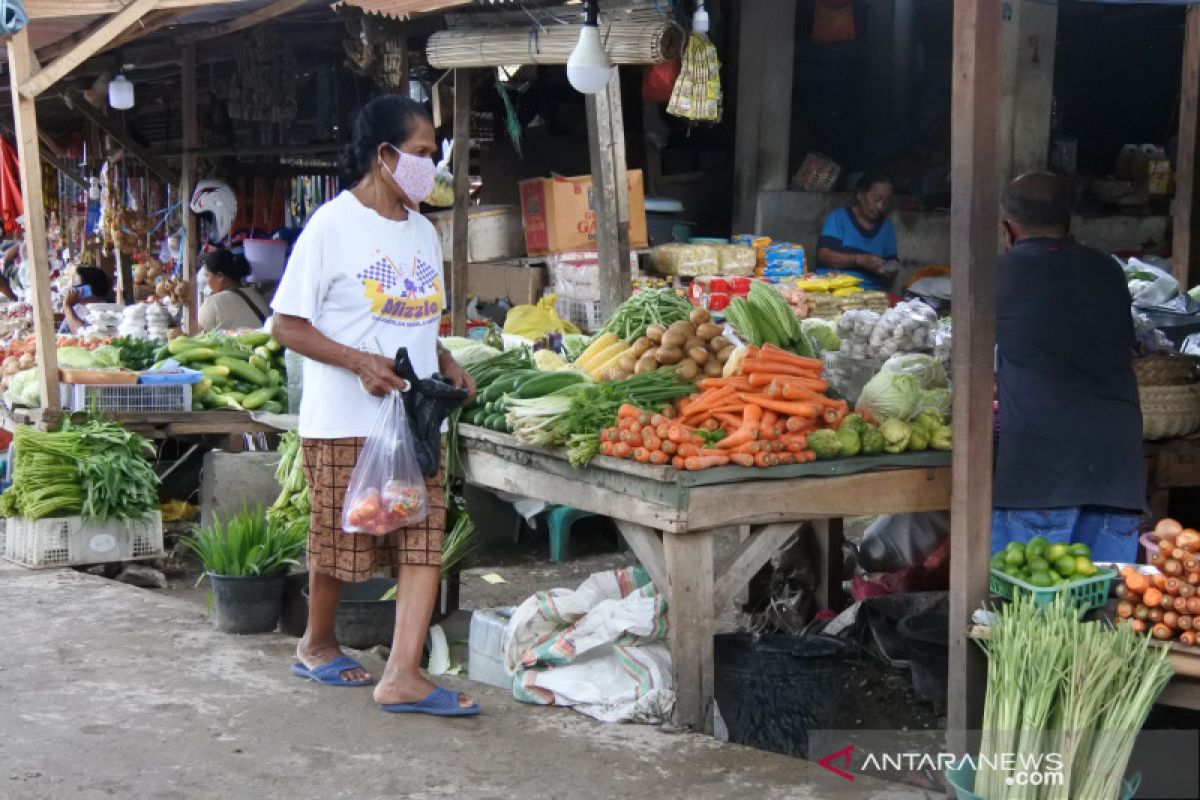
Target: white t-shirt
[(370, 283)]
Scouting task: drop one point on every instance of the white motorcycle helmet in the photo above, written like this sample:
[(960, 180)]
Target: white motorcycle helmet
[(216, 200)]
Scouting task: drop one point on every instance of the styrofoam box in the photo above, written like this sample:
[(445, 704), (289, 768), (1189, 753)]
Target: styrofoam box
[(485, 661), (70, 541)]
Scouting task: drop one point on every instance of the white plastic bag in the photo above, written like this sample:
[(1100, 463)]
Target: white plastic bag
[(386, 491)]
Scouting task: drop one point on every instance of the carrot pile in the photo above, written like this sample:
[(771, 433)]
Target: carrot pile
[(1168, 602), (760, 418)]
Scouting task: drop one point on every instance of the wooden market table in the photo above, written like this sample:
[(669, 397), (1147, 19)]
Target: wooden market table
[(153, 424), (670, 520)]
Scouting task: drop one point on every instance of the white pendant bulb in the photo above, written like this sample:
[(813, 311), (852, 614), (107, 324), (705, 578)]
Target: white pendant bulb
[(589, 67), (120, 92)]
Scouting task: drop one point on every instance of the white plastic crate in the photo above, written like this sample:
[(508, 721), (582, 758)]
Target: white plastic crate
[(584, 314), (131, 397), (485, 659), (70, 541)]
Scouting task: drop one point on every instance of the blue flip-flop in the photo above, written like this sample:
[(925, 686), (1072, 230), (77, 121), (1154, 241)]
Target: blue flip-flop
[(438, 703), (330, 674)]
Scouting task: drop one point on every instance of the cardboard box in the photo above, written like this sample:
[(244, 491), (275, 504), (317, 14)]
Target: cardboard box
[(559, 214), (494, 233), (520, 284)]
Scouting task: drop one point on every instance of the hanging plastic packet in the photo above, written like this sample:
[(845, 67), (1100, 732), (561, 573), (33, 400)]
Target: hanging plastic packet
[(443, 184), (386, 489)]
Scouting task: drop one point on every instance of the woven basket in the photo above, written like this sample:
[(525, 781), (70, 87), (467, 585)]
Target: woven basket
[(1174, 370), (1169, 411)]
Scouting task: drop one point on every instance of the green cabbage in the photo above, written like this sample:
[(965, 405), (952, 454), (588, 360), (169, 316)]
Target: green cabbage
[(76, 358), (889, 394), (918, 439), (24, 389), (896, 435), (850, 442), (822, 332), (928, 371), (474, 354), (872, 442), (825, 444), (941, 439), (105, 356), (934, 400)]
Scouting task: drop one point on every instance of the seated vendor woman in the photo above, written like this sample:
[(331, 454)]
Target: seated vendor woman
[(859, 239), (93, 287), (234, 304)]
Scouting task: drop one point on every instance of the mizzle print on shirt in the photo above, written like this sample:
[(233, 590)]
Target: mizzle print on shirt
[(410, 298)]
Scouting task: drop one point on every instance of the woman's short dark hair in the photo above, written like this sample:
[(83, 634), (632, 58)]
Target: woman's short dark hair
[(95, 279), (871, 178), (389, 118), (230, 263)]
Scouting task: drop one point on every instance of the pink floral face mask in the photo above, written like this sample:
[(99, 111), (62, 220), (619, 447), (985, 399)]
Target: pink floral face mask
[(413, 174)]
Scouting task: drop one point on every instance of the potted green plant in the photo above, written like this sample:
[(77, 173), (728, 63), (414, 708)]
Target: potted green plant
[(246, 561)]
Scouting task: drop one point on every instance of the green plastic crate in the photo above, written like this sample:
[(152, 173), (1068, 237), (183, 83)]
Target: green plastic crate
[(1087, 593)]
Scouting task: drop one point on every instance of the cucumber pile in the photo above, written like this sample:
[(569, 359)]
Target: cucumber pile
[(243, 372), (490, 409)]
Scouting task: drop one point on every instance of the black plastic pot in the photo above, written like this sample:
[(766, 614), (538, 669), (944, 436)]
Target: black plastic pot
[(928, 637), (773, 690), (293, 619), (248, 604)]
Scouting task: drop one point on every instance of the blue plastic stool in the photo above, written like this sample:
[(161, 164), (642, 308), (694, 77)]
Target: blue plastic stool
[(560, 519)]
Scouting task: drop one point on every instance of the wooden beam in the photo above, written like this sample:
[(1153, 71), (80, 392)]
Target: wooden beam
[(648, 547), (57, 9), (755, 552), (152, 22), (974, 222), (461, 216), (610, 184), (1185, 243), (189, 247), (116, 130), (21, 64), (276, 9), (114, 26)]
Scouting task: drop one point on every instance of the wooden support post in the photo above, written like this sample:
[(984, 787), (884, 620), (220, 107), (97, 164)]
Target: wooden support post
[(1185, 249), (829, 539), (189, 248), (689, 565), (460, 221), (762, 153), (610, 183), (974, 222), (21, 64)]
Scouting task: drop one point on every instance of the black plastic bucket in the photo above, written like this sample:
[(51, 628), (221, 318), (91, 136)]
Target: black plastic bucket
[(248, 604), (773, 690), (363, 618), (928, 636), (293, 619)]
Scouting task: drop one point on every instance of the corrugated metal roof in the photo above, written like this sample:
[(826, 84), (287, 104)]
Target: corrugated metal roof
[(402, 9)]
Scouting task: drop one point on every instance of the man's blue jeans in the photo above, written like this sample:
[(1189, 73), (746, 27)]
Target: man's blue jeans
[(1111, 535)]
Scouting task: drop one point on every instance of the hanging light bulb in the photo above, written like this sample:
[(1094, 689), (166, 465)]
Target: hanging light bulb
[(120, 92), (589, 68)]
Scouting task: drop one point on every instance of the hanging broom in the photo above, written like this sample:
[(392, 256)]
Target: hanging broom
[(697, 93)]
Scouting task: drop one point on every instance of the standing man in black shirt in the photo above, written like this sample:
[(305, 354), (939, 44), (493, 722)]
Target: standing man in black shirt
[(1069, 463)]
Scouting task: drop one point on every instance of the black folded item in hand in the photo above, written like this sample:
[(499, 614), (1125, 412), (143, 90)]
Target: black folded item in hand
[(427, 402)]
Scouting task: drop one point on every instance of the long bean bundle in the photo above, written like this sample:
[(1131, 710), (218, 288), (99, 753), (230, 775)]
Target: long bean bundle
[(647, 307), (97, 470)]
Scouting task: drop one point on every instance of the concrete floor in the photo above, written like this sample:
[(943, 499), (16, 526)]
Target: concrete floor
[(111, 691)]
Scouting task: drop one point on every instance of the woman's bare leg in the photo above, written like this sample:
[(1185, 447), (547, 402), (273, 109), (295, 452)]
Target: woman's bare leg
[(319, 644), (402, 681)]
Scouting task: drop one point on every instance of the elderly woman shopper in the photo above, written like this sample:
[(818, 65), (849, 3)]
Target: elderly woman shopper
[(365, 279)]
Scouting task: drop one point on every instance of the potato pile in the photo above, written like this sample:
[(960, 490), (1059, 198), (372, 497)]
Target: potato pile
[(695, 345)]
